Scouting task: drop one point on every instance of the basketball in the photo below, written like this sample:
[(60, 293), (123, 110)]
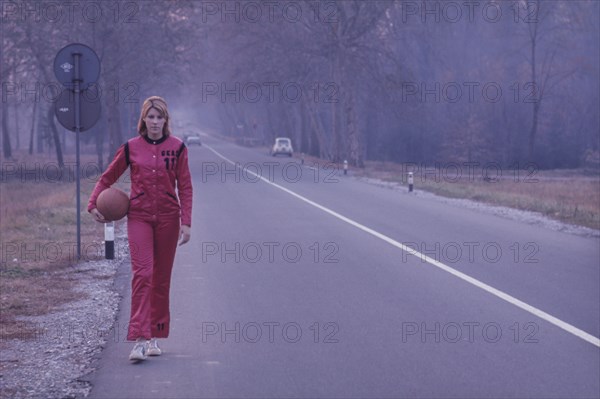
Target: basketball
[(113, 204)]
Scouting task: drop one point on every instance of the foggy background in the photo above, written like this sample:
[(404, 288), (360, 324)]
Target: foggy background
[(511, 82)]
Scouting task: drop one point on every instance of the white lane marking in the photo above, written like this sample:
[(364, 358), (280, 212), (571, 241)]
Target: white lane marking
[(496, 292)]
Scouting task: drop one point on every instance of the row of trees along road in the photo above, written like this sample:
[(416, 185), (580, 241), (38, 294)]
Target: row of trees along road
[(426, 82)]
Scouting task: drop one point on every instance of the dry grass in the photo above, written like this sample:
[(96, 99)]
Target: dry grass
[(39, 245), (571, 196)]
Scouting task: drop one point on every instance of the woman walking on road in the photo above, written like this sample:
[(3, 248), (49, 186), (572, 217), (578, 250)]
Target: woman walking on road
[(160, 213)]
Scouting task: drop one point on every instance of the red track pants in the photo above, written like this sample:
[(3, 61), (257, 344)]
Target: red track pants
[(152, 247)]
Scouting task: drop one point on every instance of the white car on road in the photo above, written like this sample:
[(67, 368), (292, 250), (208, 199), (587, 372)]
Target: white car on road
[(283, 145)]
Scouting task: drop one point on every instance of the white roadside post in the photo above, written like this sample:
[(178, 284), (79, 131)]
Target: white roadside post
[(410, 182), (109, 240), (345, 167)]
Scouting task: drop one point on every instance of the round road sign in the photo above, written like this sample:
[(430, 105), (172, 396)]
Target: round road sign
[(64, 108), (64, 66)]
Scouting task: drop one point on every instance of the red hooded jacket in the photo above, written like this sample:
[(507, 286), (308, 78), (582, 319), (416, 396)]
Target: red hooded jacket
[(159, 171)]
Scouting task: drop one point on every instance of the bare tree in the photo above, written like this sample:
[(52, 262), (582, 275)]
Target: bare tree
[(546, 72)]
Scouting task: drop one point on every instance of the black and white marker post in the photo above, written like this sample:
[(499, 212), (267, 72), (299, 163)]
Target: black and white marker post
[(109, 240), (410, 182), (77, 66)]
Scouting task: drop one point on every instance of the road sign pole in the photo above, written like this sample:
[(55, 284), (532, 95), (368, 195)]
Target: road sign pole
[(77, 66), (76, 81)]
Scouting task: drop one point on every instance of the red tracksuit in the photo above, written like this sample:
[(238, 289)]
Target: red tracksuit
[(158, 168)]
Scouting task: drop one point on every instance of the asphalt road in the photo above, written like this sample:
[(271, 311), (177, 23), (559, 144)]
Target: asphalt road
[(297, 286)]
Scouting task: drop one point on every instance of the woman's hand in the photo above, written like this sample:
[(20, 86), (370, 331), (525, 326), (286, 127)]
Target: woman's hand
[(98, 216), (184, 234)]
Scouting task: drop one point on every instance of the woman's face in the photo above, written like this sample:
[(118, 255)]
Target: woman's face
[(154, 122)]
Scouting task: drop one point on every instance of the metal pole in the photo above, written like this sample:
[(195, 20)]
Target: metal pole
[(76, 81)]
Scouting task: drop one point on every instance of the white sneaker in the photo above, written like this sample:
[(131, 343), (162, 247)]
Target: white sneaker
[(152, 348), (139, 351)]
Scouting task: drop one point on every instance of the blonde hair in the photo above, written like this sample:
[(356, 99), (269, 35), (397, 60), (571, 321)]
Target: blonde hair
[(159, 104)]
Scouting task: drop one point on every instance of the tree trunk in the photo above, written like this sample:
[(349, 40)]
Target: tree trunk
[(114, 128), (99, 138), (533, 131), (354, 147), (335, 131), (33, 122), (17, 138), (6, 147), (319, 132), (50, 114), (58, 147), (304, 136), (269, 134), (41, 131)]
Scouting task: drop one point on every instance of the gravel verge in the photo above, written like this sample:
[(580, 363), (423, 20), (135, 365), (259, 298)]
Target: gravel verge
[(532, 218), (68, 341)]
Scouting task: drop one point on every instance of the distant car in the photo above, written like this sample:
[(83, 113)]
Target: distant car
[(189, 140), (283, 145)]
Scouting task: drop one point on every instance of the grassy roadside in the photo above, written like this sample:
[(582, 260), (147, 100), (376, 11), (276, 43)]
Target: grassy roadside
[(569, 196), (39, 243)]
